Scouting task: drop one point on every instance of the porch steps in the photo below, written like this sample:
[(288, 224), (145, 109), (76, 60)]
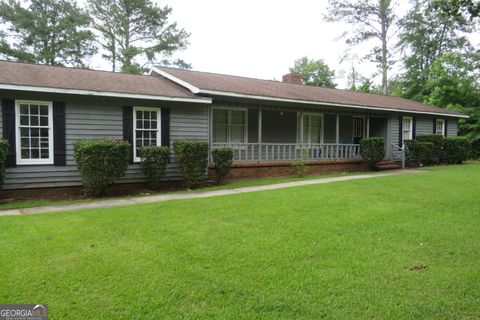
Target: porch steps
[(388, 165)]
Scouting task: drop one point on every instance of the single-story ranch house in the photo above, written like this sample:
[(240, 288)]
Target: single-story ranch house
[(45, 110)]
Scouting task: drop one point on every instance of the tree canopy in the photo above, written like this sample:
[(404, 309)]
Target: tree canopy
[(51, 32), (134, 33), (314, 72)]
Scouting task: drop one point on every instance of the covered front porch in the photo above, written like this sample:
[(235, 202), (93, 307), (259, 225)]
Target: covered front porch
[(269, 134)]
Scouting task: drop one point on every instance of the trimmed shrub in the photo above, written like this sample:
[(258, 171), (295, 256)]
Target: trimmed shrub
[(372, 150), (456, 149), (223, 160), (154, 163), (101, 162), (418, 152), (300, 166), (192, 158), (4, 146), (437, 148), (475, 149)]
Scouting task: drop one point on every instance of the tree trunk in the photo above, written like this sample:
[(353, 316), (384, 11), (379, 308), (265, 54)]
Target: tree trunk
[(384, 63)]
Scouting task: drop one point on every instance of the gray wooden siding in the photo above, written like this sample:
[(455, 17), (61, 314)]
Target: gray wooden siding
[(424, 125), (452, 127), (93, 118)]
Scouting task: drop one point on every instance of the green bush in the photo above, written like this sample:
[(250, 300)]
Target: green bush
[(418, 152), (154, 163), (192, 159), (4, 146), (475, 149), (101, 162), (456, 149), (300, 166), (372, 150), (223, 160), (437, 148)]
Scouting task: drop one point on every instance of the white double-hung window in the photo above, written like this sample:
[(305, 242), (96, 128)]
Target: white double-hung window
[(440, 127), (229, 125), (146, 130), (407, 128), (34, 132)]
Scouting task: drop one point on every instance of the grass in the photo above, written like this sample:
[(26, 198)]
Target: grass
[(333, 251), (20, 204)]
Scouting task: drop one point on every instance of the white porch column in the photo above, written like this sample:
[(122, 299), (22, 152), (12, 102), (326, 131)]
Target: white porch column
[(367, 129), (337, 133), (210, 133), (260, 133), (301, 135)]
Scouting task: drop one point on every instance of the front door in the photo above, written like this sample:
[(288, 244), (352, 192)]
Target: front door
[(358, 129)]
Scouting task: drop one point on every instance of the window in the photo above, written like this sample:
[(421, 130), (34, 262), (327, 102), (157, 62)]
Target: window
[(312, 128), (146, 132), (34, 126), (407, 128), (229, 125), (440, 127)]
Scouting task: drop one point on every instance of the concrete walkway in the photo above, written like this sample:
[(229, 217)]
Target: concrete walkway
[(195, 195)]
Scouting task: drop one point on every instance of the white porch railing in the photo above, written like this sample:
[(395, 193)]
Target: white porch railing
[(244, 152), (398, 153)]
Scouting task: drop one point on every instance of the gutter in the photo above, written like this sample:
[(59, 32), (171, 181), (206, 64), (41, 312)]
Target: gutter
[(247, 96), (104, 93)]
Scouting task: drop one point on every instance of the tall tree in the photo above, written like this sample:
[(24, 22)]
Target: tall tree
[(454, 84), (427, 34), (133, 33), (459, 7), (371, 19), (314, 72), (52, 32)]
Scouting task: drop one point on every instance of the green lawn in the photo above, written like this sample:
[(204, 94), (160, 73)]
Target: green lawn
[(335, 251), (230, 185)]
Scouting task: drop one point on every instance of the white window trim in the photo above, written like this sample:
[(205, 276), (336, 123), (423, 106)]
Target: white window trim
[(21, 161), (443, 127), (229, 133), (310, 128), (410, 133), (136, 158)]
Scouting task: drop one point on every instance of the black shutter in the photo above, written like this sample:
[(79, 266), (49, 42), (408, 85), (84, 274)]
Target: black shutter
[(400, 131), (434, 125), (414, 128), (128, 128), (165, 114), (59, 145), (446, 127), (8, 113)]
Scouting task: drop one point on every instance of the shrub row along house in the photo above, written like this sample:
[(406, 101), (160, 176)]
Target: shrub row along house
[(45, 110)]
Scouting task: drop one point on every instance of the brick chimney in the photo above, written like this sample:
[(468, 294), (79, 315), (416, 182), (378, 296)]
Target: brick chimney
[(292, 77)]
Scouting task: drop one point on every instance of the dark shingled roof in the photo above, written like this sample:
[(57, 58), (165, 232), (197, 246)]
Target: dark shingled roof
[(282, 90), (25, 74)]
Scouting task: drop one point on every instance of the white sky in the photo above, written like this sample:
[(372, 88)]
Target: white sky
[(258, 38), (262, 38)]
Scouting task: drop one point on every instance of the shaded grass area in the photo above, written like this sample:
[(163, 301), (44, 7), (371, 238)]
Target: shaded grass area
[(230, 185), (334, 251)]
